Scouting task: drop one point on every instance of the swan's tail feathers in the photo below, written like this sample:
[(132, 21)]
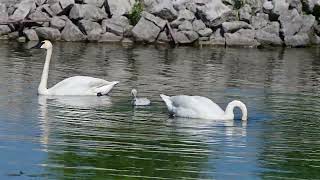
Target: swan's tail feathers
[(104, 90), (168, 102)]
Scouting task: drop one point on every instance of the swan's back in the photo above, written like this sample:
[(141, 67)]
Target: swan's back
[(141, 102), (193, 107)]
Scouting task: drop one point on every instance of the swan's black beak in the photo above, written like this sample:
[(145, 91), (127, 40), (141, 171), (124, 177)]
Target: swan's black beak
[(38, 46)]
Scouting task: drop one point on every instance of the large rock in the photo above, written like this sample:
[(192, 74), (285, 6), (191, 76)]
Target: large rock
[(245, 13), (185, 26), (98, 3), (186, 37), (40, 2), (205, 32), (213, 12), (91, 27), (31, 34), (161, 8), (4, 29), (260, 20), (217, 39), (256, 5), (72, 33), (145, 31), (186, 15), (163, 37), (65, 4), (296, 4), (298, 40), (198, 25), (156, 20), (48, 33), (38, 15), (280, 6), (117, 25), (308, 22), (243, 37), (269, 35), (120, 7), (3, 12), (109, 37), (23, 9), (235, 26), (291, 22), (56, 8), (88, 12), (57, 22)]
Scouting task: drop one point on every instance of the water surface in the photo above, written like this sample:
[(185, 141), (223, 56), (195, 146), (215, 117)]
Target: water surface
[(105, 138)]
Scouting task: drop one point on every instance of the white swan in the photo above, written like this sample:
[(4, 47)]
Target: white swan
[(77, 85), (201, 107), (139, 101)]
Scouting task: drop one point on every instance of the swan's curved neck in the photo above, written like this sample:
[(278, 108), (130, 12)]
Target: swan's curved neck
[(44, 78), (234, 104)]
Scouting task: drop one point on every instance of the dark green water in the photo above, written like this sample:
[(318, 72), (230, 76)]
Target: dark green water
[(105, 138)]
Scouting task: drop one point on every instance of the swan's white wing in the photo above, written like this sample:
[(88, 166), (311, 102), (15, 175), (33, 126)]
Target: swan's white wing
[(195, 107), (80, 85)]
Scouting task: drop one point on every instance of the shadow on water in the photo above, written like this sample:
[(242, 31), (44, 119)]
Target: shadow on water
[(97, 138)]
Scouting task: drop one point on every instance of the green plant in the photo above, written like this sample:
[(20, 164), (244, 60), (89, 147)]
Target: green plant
[(135, 13)]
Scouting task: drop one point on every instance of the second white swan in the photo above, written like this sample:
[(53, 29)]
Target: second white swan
[(77, 85), (201, 108)]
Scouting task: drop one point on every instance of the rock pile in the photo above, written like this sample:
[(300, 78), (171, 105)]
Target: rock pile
[(216, 22)]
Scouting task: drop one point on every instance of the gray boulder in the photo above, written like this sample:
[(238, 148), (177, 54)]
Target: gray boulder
[(117, 25), (267, 6), (47, 9), (88, 12), (57, 22), (109, 37), (243, 37), (185, 15), (245, 13), (98, 3), (3, 12), (48, 33), (269, 35), (40, 2), (296, 4), (234, 26), (66, 3), (120, 7), (161, 8), (260, 20), (23, 9), (94, 37), (31, 34), (291, 22), (185, 26), (308, 22), (198, 25), (186, 37), (38, 15), (4, 29), (217, 39), (297, 40), (56, 8), (156, 20), (213, 12), (205, 32), (91, 27), (280, 6), (72, 33), (163, 37), (145, 31)]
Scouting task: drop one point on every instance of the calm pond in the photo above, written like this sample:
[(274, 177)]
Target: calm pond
[(105, 138)]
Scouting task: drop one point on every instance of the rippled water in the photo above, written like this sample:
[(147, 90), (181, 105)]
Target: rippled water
[(105, 138)]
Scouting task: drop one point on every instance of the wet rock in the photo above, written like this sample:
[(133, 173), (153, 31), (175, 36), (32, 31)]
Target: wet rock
[(93, 37), (235, 25), (13, 35), (126, 41), (185, 26), (205, 32), (4, 29), (91, 27), (217, 39), (198, 25), (31, 34), (72, 33), (145, 31), (243, 37), (298, 40), (245, 13), (110, 37), (260, 20), (57, 22), (3, 12), (120, 7), (48, 33), (213, 12), (269, 35), (156, 20), (117, 25), (186, 37), (291, 22), (88, 12), (161, 8), (98, 3), (23, 9)]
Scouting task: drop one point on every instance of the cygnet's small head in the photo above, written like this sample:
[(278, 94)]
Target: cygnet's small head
[(44, 45), (134, 92)]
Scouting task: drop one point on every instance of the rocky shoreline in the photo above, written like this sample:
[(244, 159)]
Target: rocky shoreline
[(250, 23)]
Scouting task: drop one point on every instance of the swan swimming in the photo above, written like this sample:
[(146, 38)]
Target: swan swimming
[(77, 85), (139, 101), (201, 108)]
